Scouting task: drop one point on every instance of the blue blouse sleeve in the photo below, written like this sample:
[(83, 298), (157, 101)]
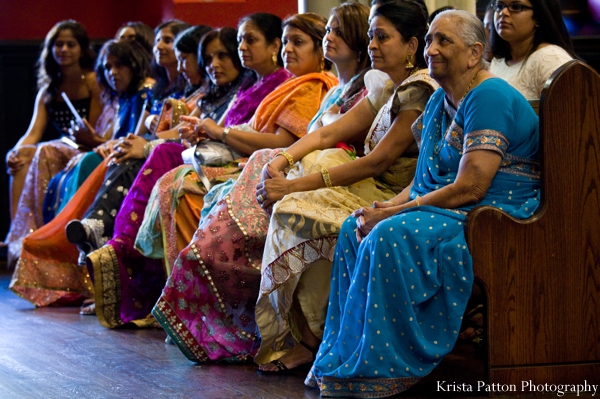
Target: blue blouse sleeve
[(498, 119)]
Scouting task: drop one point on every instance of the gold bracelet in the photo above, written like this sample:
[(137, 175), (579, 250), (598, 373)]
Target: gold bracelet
[(417, 201), (287, 156), (326, 177)]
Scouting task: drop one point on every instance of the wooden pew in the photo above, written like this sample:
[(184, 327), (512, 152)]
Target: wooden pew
[(541, 276)]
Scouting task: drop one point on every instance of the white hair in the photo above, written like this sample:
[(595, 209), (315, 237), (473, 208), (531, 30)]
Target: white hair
[(470, 30)]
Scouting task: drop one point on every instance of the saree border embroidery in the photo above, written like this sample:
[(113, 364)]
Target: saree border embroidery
[(360, 387), (25, 282), (178, 331), (306, 253), (520, 166), (107, 284), (486, 139)]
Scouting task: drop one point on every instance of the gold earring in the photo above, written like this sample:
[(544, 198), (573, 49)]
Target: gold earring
[(274, 58), (409, 64), (322, 65)]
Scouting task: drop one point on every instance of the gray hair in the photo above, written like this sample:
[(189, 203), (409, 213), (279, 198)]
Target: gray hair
[(470, 30)]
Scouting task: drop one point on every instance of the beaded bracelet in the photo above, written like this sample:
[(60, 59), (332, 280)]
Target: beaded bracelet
[(326, 177)]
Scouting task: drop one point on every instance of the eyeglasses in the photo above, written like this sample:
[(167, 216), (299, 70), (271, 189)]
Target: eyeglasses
[(512, 7)]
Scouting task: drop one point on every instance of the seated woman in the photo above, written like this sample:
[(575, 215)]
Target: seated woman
[(64, 184), (217, 322), (139, 32), (261, 56), (174, 210), (402, 271), (169, 82), (309, 207), (46, 271), (91, 232), (65, 66), (529, 42)]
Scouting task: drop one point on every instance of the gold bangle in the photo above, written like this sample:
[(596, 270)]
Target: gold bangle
[(326, 177), (287, 156), (417, 201)]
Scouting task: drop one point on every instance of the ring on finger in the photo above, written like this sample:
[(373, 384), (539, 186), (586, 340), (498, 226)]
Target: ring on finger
[(260, 198)]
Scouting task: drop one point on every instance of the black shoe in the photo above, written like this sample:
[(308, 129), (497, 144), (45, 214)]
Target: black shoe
[(77, 234)]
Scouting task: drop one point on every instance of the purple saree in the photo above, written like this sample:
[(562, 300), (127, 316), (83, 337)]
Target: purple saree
[(127, 284)]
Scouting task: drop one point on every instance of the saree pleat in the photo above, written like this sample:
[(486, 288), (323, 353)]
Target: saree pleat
[(47, 269), (127, 283), (50, 158)]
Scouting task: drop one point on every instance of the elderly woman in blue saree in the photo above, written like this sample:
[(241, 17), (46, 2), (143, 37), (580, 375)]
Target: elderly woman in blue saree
[(402, 272)]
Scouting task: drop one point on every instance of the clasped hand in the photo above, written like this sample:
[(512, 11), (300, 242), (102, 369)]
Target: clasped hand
[(197, 129), (84, 135), (130, 147), (368, 217), (272, 187)]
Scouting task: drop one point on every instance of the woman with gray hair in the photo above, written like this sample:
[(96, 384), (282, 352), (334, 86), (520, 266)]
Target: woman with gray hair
[(402, 272)]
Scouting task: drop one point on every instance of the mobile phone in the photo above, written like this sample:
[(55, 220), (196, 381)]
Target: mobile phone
[(69, 142), (78, 117)]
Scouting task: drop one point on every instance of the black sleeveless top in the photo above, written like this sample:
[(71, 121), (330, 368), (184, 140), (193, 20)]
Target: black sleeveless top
[(60, 117)]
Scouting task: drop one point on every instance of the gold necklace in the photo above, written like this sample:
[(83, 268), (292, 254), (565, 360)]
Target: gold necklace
[(439, 135), (468, 89)]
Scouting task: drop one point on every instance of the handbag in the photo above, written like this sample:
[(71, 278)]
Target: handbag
[(208, 153)]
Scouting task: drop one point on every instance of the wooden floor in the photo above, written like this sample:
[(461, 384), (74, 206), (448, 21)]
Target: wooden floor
[(56, 353)]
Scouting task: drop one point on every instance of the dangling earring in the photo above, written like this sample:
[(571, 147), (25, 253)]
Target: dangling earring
[(274, 58), (322, 65), (409, 64)]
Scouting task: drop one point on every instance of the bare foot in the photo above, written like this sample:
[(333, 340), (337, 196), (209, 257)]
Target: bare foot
[(295, 357)]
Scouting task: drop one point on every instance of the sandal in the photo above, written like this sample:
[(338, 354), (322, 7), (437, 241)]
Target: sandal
[(282, 368), (472, 328)]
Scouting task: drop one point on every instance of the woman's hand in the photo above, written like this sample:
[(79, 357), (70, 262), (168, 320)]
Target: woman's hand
[(210, 128), (18, 157), (269, 172), (85, 135), (105, 149), (191, 132), (272, 190), (368, 217), (131, 147)]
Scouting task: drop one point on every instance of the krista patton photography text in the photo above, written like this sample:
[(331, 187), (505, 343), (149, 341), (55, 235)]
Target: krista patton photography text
[(526, 387)]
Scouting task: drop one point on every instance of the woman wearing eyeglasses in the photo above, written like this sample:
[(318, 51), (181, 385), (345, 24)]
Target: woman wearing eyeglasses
[(529, 42)]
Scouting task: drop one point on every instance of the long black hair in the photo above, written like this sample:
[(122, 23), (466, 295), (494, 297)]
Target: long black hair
[(48, 70), (269, 25), (411, 20), (188, 41), (163, 86), (550, 28), (130, 54), (353, 19), (314, 26), (144, 34), (228, 37)]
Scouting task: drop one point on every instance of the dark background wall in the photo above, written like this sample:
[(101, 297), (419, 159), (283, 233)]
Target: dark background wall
[(26, 22)]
